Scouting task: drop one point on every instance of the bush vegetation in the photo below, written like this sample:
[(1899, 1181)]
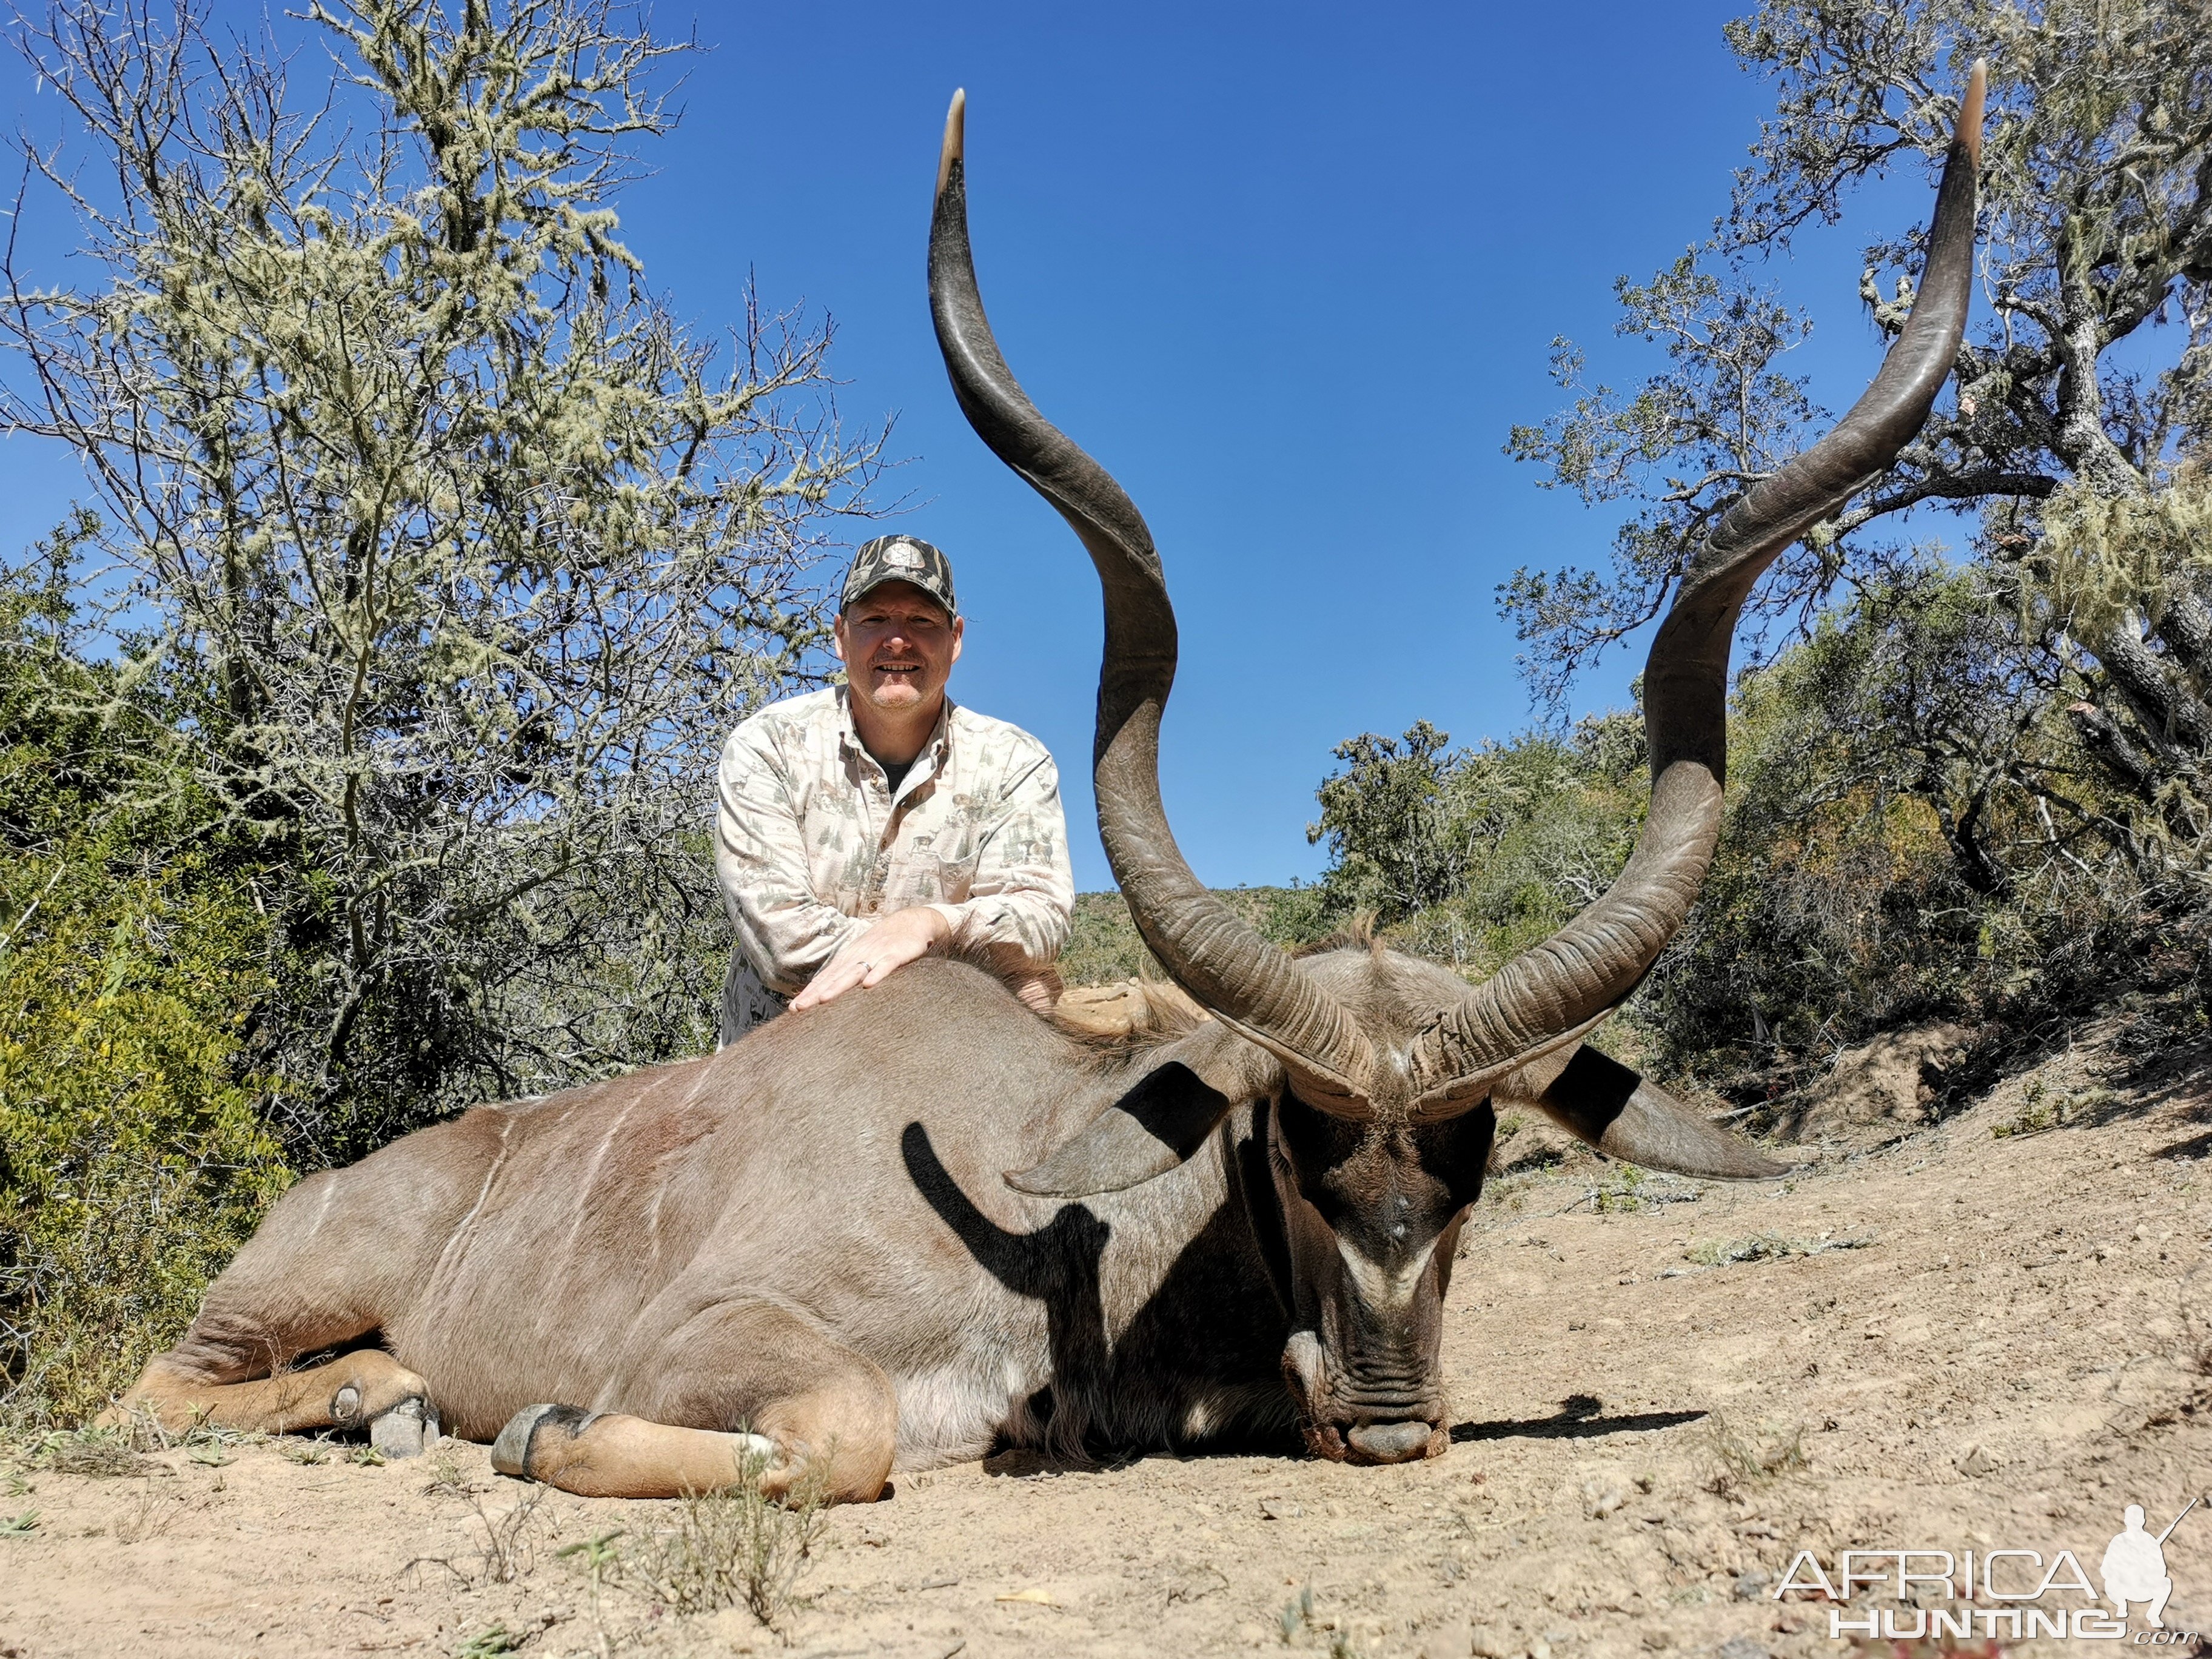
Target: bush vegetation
[(359, 735), (1871, 870), (1969, 782), (1105, 946), (136, 1145)]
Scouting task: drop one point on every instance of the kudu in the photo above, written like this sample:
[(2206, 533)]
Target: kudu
[(801, 1251)]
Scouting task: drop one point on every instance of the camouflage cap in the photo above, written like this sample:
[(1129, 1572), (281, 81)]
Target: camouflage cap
[(900, 559)]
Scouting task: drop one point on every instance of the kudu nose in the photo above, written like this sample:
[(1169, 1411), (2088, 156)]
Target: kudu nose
[(1391, 1443)]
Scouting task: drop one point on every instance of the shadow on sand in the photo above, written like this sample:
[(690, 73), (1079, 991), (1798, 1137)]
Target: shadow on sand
[(1580, 1416)]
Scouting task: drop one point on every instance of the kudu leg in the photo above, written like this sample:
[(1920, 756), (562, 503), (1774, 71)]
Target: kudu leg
[(742, 1388), (321, 1275), (369, 1387)]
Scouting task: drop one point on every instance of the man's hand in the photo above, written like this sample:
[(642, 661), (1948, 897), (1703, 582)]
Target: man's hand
[(868, 957)]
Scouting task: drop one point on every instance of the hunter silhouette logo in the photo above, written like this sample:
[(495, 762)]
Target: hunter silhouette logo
[(2000, 1592), (2134, 1568)]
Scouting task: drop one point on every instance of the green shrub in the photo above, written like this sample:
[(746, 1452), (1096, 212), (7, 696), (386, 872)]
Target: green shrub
[(1468, 856), (1106, 947), (1910, 834), (133, 1158), (134, 1151)]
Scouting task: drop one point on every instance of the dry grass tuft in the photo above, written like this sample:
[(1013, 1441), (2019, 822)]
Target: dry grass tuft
[(94, 1451), (1769, 1247), (149, 1515), (508, 1547), (1744, 1457), (505, 1543), (447, 1478), (735, 1547)]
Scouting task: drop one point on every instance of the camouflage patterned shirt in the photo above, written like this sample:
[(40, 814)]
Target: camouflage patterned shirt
[(812, 844)]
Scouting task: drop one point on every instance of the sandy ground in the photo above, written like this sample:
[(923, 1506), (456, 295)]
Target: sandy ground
[(1993, 1342)]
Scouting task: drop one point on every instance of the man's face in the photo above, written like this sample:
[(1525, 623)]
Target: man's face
[(898, 647)]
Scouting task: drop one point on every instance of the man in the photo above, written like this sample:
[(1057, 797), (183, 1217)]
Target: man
[(871, 824)]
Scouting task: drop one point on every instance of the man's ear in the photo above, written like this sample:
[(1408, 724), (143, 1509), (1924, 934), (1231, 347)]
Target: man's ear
[(1162, 1120), (1595, 1098), (959, 632), (837, 638)]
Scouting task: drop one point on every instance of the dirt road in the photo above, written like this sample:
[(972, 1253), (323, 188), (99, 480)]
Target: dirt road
[(1936, 1337)]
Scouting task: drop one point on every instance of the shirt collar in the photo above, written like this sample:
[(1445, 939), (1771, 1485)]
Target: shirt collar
[(940, 735)]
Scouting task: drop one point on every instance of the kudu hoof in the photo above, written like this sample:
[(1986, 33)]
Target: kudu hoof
[(408, 1429), (510, 1453)]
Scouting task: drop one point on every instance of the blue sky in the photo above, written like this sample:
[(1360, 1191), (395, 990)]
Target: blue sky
[(1290, 271)]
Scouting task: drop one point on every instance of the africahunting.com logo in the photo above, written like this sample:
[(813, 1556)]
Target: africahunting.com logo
[(2011, 1593)]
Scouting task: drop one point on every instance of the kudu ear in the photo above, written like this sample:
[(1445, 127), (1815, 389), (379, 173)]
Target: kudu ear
[(1162, 1120), (1595, 1098)]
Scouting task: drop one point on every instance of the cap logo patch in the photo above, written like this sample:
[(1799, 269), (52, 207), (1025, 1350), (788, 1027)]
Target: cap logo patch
[(904, 554)]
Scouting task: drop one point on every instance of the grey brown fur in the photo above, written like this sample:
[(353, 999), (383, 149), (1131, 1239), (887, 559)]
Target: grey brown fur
[(587, 1247)]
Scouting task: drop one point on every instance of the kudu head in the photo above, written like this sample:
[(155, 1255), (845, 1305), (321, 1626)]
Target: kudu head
[(1378, 1070)]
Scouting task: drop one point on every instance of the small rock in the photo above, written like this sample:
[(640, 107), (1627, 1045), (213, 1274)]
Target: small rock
[(1251, 1635), (1448, 1642), (1485, 1643), (1743, 1647), (1750, 1586), (1658, 1639), (1279, 1508), (1977, 1463), (1603, 1500), (1539, 1648)]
